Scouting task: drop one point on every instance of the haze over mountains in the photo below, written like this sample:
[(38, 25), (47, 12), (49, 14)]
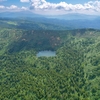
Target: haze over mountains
[(73, 21), (70, 16)]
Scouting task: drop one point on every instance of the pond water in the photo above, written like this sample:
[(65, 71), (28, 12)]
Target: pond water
[(46, 53)]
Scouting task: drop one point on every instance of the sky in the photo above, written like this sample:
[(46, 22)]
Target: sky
[(52, 7)]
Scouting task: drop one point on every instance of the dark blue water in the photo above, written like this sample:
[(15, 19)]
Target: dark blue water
[(46, 54)]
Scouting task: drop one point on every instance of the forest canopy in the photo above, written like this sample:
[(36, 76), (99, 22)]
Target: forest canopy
[(73, 74)]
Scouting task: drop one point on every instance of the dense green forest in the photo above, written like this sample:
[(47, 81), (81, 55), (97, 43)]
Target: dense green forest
[(73, 74)]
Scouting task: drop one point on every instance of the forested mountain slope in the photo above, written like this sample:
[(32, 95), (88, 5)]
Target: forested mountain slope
[(73, 74), (32, 24)]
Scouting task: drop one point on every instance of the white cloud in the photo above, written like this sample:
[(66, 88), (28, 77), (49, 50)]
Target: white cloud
[(24, 8), (12, 7), (43, 5), (2, 7), (24, 0)]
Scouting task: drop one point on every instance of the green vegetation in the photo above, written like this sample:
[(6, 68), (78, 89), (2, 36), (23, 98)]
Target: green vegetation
[(74, 74)]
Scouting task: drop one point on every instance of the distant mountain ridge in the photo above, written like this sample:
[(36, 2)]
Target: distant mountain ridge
[(19, 14), (73, 16), (67, 21)]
